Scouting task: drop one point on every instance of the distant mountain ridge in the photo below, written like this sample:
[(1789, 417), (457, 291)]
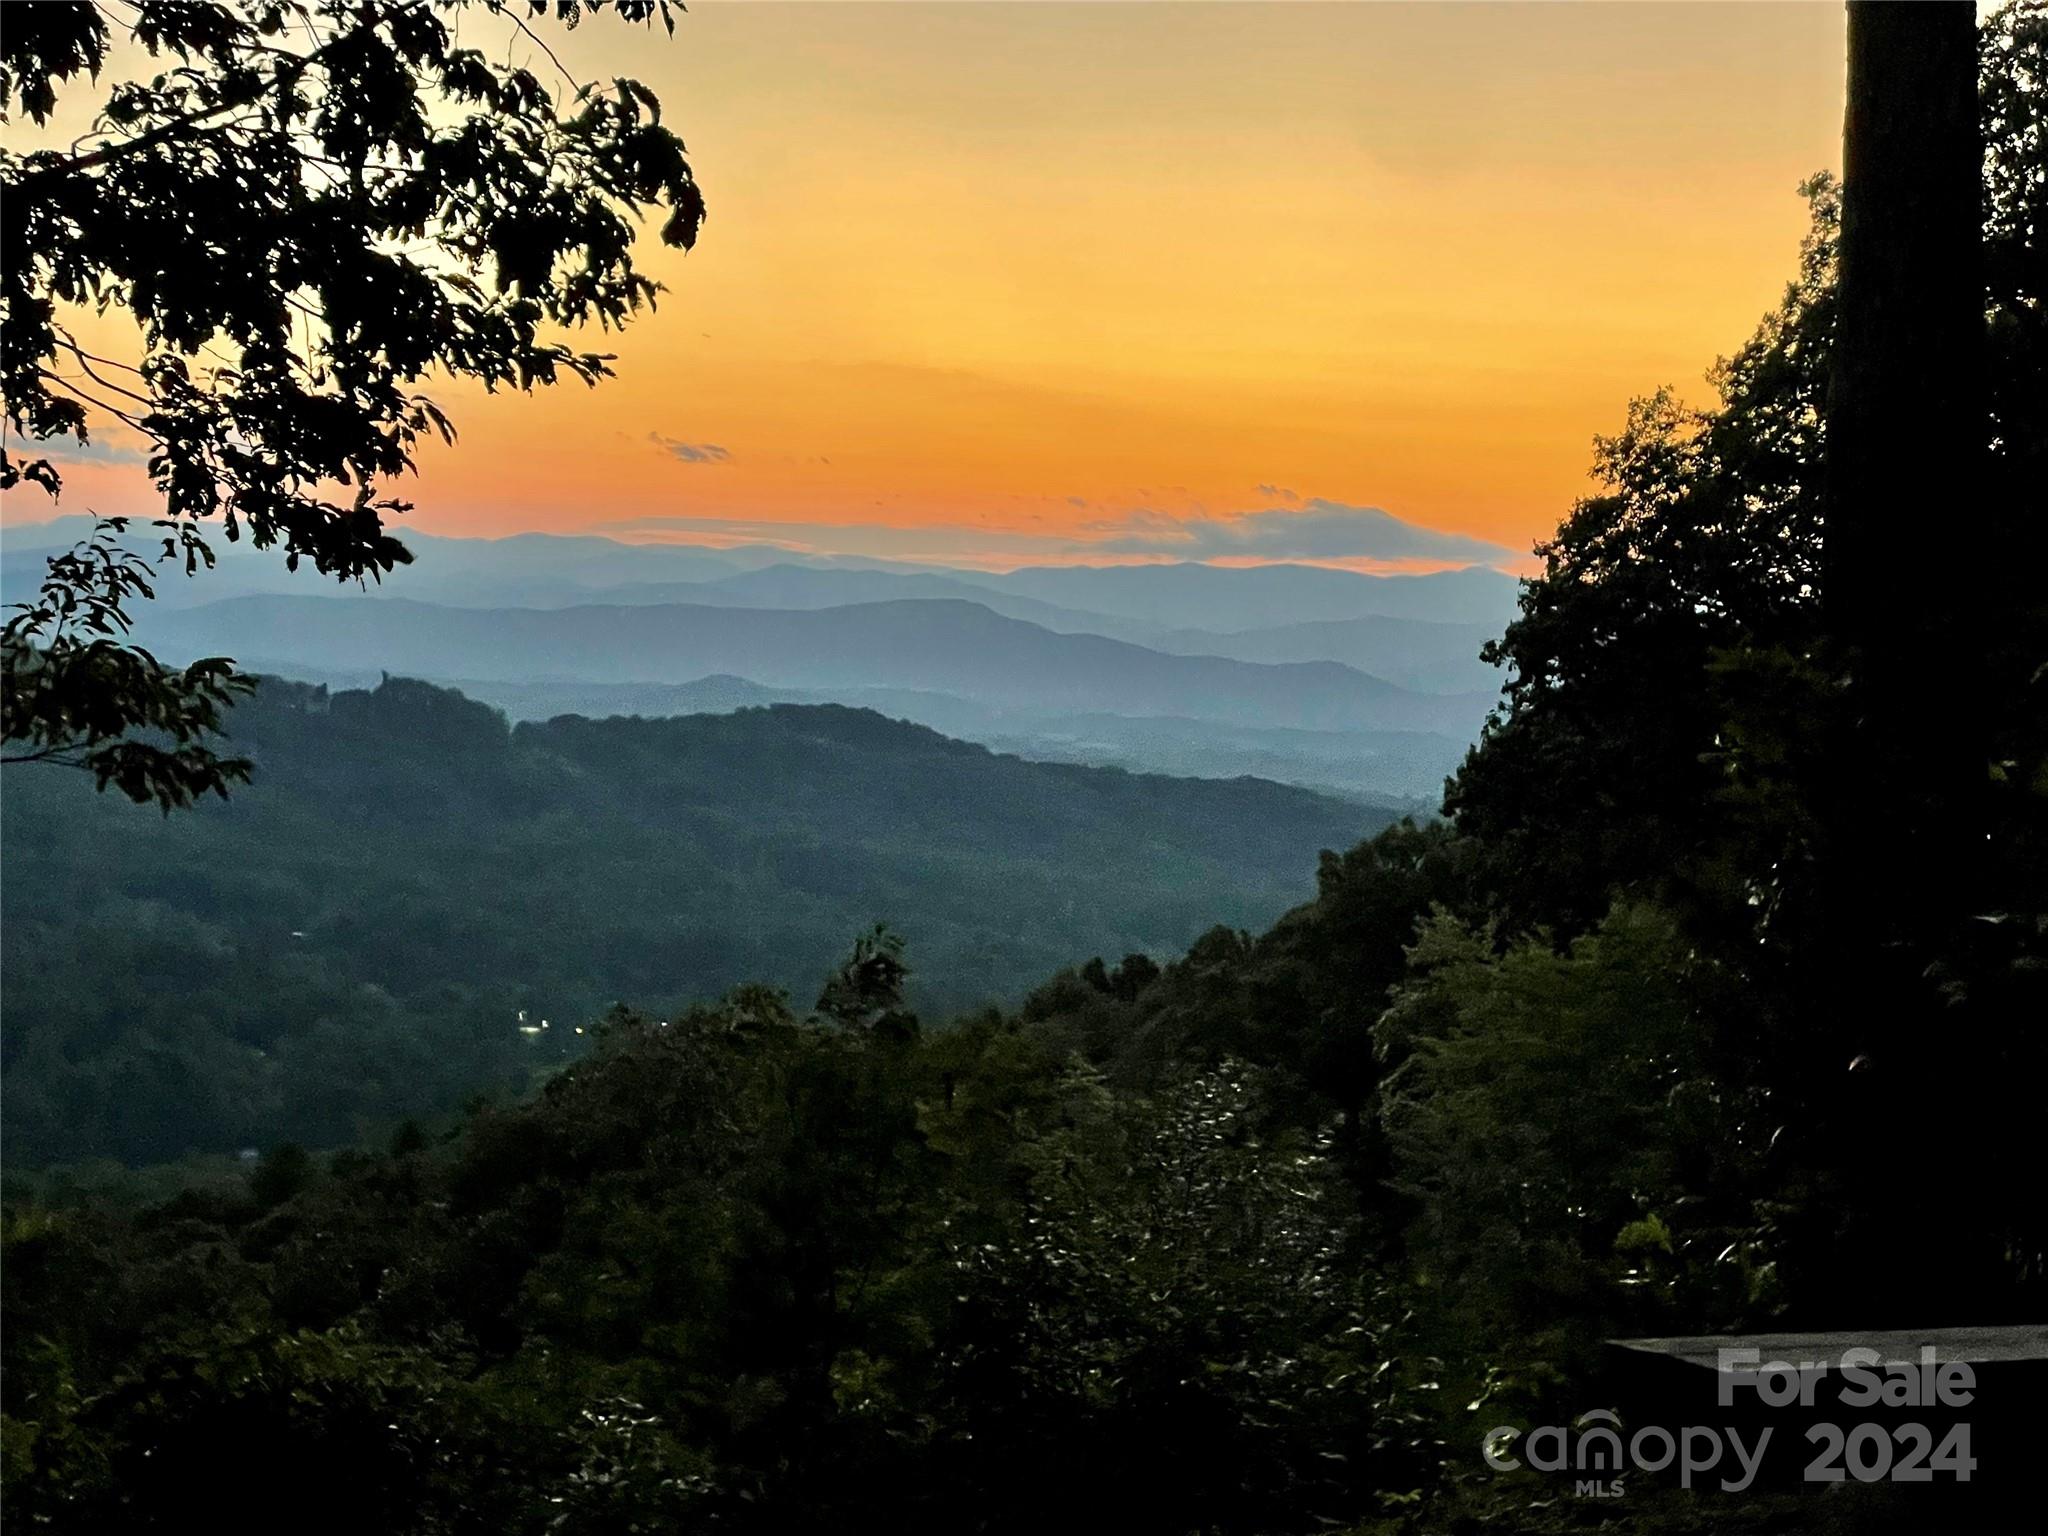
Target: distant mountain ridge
[(1043, 695), (1184, 594), (806, 586), (941, 645), (1134, 602), (1428, 655)]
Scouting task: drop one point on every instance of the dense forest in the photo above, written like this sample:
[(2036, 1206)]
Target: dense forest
[(1714, 1003), (358, 934)]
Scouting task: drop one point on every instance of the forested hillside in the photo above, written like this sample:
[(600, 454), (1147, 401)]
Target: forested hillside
[(1404, 769), (352, 935)]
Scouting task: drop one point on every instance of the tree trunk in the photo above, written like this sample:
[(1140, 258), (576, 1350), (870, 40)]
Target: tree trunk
[(1906, 445), (1906, 420)]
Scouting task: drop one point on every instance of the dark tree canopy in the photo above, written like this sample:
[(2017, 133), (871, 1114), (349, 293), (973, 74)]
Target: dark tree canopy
[(1675, 660), (1784, 677), (306, 208), (1598, 772)]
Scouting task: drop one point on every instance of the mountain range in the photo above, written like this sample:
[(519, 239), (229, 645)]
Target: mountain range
[(1370, 686), (939, 645), (528, 570)]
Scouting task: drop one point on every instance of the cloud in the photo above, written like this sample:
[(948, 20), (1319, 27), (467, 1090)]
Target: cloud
[(1278, 492), (690, 453), (69, 450), (1318, 530), (937, 544)]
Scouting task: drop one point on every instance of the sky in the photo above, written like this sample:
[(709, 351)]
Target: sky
[(995, 284)]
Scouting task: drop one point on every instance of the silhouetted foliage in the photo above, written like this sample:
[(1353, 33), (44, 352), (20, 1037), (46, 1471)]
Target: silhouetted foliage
[(1860, 836), (1680, 615), (318, 204)]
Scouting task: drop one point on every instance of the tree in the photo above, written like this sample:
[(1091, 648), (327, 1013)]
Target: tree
[(1684, 614), (1905, 407), (1179, 1322), (314, 205), (1913, 826), (1551, 1110), (1738, 688), (1706, 536), (866, 991), (1907, 422)]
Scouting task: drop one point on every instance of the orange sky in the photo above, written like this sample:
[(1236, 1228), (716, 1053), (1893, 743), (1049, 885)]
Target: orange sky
[(994, 282)]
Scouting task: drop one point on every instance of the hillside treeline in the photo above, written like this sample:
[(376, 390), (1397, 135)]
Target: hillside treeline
[(375, 927)]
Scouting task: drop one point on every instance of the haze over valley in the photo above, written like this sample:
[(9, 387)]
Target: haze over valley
[(1369, 686)]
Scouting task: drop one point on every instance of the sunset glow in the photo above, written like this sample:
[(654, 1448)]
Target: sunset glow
[(999, 283)]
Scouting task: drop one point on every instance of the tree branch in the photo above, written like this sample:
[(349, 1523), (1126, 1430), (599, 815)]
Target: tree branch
[(32, 183), (54, 755)]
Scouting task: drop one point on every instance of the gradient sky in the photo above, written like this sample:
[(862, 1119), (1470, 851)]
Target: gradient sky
[(997, 283)]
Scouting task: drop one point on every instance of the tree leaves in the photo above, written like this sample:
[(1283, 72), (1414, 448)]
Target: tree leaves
[(315, 206)]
